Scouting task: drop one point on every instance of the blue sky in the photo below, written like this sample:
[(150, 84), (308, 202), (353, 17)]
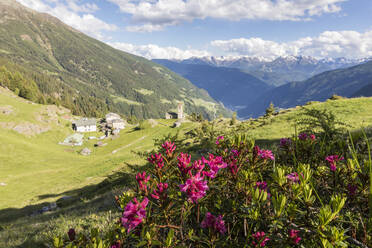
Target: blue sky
[(178, 29)]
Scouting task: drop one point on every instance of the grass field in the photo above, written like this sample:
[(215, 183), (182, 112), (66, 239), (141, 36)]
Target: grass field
[(36, 171)]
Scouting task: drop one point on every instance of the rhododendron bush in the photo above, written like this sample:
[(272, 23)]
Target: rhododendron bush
[(308, 193)]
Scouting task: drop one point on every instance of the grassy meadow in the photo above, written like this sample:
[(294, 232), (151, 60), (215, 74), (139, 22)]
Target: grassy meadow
[(36, 171)]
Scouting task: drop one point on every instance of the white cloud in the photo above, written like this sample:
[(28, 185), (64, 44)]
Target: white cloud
[(162, 13), (151, 51), (76, 15), (350, 44)]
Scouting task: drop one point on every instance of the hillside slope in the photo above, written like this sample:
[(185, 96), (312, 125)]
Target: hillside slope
[(228, 85), (84, 73), (344, 82)]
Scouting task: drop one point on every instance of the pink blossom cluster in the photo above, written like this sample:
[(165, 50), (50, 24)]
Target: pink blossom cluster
[(332, 160), (142, 181), (263, 154), (219, 138), (305, 136), (293, 235), (195, 187), (116, 245), (134, 213), (169, 148), (293, 177), (160, 191), (215, 163), (216, 223), (156, 159), (259, 239), (285, 142), (184, 161)]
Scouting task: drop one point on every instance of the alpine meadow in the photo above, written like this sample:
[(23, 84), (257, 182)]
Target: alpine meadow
[(185, 123)]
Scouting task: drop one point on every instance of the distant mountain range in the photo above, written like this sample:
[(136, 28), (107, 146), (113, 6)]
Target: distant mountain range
[(58, 64), (279, 71), (230, 86), (354, 81)]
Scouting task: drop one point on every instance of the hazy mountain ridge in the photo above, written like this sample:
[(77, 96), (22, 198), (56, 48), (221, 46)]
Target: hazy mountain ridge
[(278, 71), (89, 76), (229, 85)]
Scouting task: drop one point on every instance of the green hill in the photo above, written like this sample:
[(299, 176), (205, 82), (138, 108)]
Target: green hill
[(88, 76)]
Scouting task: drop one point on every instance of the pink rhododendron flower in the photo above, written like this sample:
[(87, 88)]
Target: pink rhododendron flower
[(312, 137), (260, 239), (332, 160), (235, 153), (215, 163), (160, 191), (293, 234), (157, 160), (217, 223), (293, 177), (285, 142), (71, 234), (195, 187), (302, 136), (184, 160), (198, 165), (218, 139), (142, 180), (169, 148), (134, 213), (266, 154)]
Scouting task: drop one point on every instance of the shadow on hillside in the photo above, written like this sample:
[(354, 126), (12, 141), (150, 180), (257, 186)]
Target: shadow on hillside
[(118, 181)]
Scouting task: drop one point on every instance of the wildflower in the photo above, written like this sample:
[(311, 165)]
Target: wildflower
[(134, 213), (312, 137), (169, 148), (142, 180), (184, 160), (217, 223), (302, 136), (218, 139), (161, 188), (293, 234), (293, 177), (215, 164), (332, 160), (260, 239), (71, 234), (157, 160), (285, 142), (266, 154), (195, 187), (198, 165)]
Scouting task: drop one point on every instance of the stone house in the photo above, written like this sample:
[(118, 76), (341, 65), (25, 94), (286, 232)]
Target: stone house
[(114, 121), (85, 125)]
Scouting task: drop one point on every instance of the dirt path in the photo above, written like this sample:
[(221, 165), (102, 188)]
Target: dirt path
[(130, 144)]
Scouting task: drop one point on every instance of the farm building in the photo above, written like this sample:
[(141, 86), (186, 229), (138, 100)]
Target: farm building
[(114, 121), (85, 125)]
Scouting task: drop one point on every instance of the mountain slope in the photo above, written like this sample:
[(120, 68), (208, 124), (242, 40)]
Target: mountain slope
[(228, 85), (344, 82), (84, 73)]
